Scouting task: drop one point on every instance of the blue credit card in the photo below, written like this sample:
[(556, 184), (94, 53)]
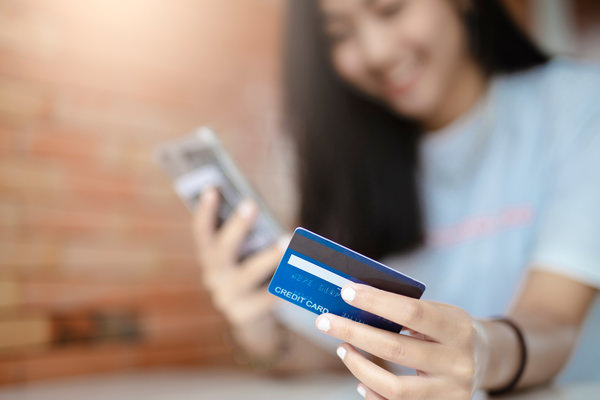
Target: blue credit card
[(314, 269)]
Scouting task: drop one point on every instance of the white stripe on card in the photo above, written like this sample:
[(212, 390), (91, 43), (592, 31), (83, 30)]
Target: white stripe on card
[(317, 271)]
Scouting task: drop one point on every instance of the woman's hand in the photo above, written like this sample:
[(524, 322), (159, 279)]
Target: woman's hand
[(449, 349), (235, 286)]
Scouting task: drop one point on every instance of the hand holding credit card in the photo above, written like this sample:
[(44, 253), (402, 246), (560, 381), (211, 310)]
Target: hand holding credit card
[(314, 269)]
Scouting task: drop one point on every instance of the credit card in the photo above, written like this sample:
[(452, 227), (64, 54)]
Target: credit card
[(314, 269)]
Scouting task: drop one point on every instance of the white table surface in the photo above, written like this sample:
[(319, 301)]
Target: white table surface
[(226, 384)]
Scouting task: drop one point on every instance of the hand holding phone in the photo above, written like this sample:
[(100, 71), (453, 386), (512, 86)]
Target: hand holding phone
[(236, 235), (197, 162), (235, 286)]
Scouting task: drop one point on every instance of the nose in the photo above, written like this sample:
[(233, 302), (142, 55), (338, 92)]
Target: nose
[(376, 47)]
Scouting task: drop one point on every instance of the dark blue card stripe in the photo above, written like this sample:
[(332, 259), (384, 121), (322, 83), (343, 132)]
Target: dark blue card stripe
[(337, 257)]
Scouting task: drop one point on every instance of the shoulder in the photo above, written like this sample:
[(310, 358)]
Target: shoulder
[(558, 100), (561, 85), (555, 74)]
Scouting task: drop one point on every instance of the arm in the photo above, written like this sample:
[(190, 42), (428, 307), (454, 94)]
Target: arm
[(236, 291), (550, 310)]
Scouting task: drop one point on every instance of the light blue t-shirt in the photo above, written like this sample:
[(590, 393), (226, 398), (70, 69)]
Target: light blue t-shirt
[(515, 184), (512, 184)]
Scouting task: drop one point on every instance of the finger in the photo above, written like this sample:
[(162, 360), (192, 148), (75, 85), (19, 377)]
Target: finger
[(236, 228), (382, 382), (415, 334), (435, 391), (431, 357), (367, 393), (231, 283), (257, 268), (440, 324), (205, 216)]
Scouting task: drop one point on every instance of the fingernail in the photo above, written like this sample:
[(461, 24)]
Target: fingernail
[(362, 391), (341, 352), (247, 208), (348, 294), (284, 242), (324, 325)]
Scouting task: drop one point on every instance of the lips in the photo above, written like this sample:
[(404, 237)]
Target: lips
[(401, 84), (402, 79)]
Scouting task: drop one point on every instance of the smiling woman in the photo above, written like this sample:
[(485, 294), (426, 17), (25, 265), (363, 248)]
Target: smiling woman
[(436, 134), (336, 131)]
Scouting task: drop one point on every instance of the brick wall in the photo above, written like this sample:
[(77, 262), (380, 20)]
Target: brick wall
[(97, 269)]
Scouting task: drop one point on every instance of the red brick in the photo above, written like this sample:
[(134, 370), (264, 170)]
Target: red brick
[(10, 218), (122, 259), (29, 256), (18, 175), (30, 331), (182, 325), (69, 362), (109, 223), (28, 35), (197, 355), (127, 260), (111, 116), (10, 295), (63, 144), (93, 183), (77, 361), (22, 102), (67, 294), (8, 141)]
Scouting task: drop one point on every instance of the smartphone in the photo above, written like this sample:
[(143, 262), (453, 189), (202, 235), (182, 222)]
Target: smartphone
[(198, 161)]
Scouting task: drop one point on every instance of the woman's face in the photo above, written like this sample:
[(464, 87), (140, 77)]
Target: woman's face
[(410, 54)]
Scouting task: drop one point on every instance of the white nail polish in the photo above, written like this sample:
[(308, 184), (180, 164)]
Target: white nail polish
[(246, 208), (341, 352), (361, 390), (324, 325), (348, 294)]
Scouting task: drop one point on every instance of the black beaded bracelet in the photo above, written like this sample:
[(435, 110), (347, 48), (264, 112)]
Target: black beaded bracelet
[(522, 361)]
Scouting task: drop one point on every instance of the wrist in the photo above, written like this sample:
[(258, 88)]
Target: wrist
[(506, 355)]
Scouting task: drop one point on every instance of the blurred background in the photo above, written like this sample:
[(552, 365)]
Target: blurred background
[(97, 264)]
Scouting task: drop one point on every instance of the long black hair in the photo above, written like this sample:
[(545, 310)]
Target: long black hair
[(357, 160)]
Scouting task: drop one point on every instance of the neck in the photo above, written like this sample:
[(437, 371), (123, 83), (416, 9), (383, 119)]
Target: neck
[(462, 95)]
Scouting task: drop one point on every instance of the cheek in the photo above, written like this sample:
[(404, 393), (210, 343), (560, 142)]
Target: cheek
[(438, 28), (437, 37), (450, 48), (348, 64)]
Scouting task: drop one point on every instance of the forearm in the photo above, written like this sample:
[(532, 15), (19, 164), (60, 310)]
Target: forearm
[(548, 344)]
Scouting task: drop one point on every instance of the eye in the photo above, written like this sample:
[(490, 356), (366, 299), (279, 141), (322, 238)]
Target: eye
[(389, 9)]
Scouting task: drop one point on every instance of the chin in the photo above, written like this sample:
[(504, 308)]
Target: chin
[(417, 105), (412, 111)]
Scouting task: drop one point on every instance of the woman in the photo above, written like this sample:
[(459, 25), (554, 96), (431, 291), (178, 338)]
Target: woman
[(435, 134)]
